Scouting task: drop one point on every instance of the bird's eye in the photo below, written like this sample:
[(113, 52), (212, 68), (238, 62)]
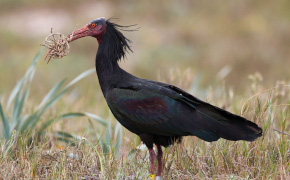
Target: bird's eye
[(93, 25)]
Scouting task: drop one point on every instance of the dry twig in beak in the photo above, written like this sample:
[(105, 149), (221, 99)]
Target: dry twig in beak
[(58, 45)]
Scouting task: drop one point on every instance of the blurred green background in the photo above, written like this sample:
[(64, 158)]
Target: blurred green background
[(228, 39)]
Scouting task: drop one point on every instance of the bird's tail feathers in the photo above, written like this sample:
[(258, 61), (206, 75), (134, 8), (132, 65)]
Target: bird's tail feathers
[(220, 123)]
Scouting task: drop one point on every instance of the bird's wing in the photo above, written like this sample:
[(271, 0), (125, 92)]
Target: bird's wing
[(146, 109), (158, 108)]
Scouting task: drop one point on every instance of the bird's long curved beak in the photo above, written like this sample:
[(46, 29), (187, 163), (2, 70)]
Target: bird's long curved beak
[(82, 32)]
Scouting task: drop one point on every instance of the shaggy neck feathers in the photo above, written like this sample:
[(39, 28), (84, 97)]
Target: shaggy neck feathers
[(114, 44)]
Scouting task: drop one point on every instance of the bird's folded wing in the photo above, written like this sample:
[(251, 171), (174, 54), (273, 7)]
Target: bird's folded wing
[(151, 108)]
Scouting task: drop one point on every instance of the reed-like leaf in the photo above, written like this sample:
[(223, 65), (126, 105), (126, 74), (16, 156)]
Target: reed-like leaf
[(20, 104), (71, 115), (118, 137), (51, 102), (50, 94), (62, 134), (108, 135), (28, 122), (46, 125), (14, 92), (11, 142), (6, 127), (97, 118), (80, 114), (29, 74), (67, 137), (102, 143), (99, 156), (79, 77), (15, 107)]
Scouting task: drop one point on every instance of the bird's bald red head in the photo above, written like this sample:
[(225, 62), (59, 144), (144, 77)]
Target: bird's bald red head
[(96, 29)]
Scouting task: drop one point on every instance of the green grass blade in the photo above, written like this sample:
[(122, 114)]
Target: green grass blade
[(6, 127), (90, 115), (62, 134), (50, 94), (15, 91), (71, 115), (21, 97), (15, 108), (67, 137), (65, 140), (34, 61), (11, 142), (29, 122), (17, 116), (102, 144), (29, 74), (118, 137), (100, 160), (108, 135), (79, 77), (46, 125), (107, 141), (99, 156), (31, 67), (51, 102), (97, 119)]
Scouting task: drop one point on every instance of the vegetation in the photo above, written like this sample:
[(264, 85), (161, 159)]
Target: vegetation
[(232, 54)]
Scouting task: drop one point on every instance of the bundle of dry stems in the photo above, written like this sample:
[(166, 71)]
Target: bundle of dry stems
[(58, 45)]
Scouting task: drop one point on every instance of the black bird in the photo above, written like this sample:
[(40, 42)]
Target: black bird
[(159, 113)]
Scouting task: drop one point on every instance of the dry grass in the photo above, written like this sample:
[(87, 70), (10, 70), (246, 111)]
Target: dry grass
[(57, 44)]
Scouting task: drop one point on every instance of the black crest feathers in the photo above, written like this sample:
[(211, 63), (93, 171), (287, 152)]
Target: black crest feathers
[(114, 44)]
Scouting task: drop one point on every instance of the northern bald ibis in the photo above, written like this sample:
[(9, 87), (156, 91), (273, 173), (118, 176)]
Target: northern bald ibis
[(159, 113)]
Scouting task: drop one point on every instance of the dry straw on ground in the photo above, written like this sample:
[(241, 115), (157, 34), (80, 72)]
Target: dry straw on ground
[(58, 45)]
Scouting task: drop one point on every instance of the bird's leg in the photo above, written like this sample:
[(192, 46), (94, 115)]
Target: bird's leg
[(152, 160), (159, 159)]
